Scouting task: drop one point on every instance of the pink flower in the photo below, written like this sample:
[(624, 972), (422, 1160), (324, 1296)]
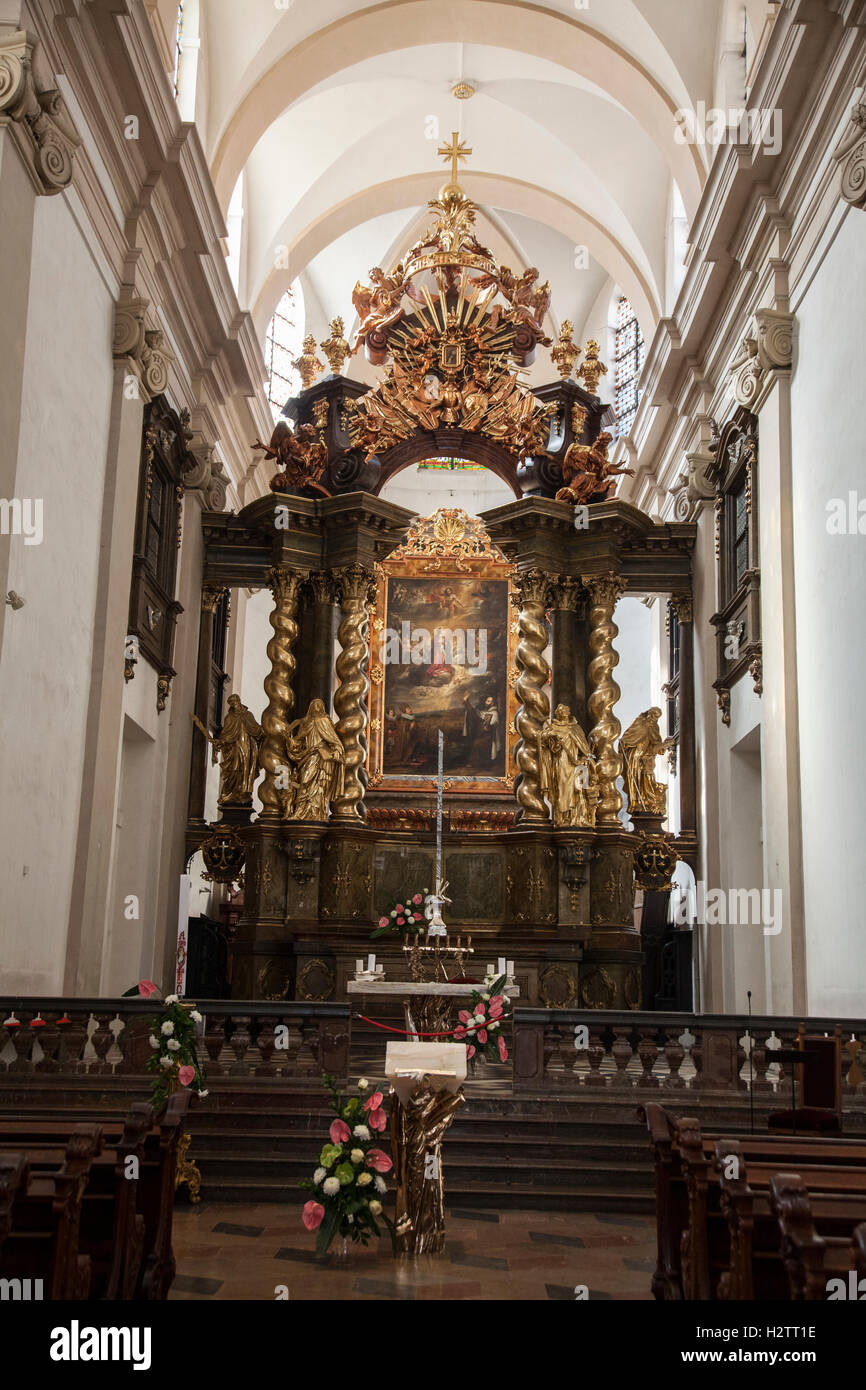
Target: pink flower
[(459, 1033), (470, 1052), (383, 921), (377, 1119), (495, 1011), (503, 1050), (464, 1015), (339, 1132), (374, 1101), (401, 921), (497, 1000), (313, 1215), (146, 988), (417, 916), (400, 907), (417, 898), (482, 1035), (378, 1159), (186, 1075)]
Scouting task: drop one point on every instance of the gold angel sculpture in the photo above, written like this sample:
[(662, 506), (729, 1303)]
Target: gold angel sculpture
[(378, 305), (300, 456), (317, 757), (238, 747), (640, 745), (567, 767), (587, 473)]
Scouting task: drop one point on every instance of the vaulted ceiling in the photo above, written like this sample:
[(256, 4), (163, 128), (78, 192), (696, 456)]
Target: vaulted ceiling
[(323, 120)]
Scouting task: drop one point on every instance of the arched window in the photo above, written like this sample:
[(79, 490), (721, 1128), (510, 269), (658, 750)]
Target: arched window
[(178, 46), (628, 359), (283, 342)]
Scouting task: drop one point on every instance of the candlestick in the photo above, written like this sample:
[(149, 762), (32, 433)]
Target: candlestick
[(510, 969), (359, 967), (500, 969), (491, 970), (371, 964)]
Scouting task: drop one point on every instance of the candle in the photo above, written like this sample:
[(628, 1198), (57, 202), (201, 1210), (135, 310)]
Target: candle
[(371, 964), (500, 970), (359, 967), (510, 969), (490, 970)]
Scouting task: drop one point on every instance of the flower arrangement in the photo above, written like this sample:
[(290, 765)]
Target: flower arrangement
[(406, 914), (348, 1181), (173, 1054), (481, 1024)]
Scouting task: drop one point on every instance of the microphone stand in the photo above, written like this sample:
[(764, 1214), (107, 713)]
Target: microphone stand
[(751, 1066)]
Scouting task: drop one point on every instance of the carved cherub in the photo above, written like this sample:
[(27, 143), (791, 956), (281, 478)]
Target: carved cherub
[(378, 305), (300, 457), (587, 473)]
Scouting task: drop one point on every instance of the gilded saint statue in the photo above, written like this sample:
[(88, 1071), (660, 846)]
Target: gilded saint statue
[(238, 749), (567, 765), (317, 757), (640, 745)]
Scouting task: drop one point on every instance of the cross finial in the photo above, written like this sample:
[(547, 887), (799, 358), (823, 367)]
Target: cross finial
[(455, 151)]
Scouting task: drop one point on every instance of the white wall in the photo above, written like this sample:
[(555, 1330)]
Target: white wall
[(830, 579), (422, 491), (46, 655)]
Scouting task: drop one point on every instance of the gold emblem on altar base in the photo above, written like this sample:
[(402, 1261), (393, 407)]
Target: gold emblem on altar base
[(449, 544)]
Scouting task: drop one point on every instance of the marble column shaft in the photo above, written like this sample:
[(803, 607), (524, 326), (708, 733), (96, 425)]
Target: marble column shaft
[(568, 679)]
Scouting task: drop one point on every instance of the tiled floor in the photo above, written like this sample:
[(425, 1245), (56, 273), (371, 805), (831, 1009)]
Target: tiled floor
[(237, 1252)]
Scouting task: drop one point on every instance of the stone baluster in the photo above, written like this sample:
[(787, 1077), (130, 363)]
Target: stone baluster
[(285, 584), (604, 592), (675, 1055), (533, 673), (648, 1052), (354, 583), (622, 1053), (595, 1055), (215, 1041), (241, 1045), (49, 1042), (266, 1043)]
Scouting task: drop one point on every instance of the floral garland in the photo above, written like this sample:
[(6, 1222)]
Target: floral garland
[(481, 1024), (405, 915), (348, 1180), (173, 1051)]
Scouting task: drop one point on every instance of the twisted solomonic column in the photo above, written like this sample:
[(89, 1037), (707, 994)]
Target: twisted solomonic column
[(533, 674), (604, 591), (285, 585), (353, 583)]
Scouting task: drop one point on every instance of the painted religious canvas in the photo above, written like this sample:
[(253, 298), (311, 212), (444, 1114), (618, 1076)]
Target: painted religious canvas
[(440, 658)]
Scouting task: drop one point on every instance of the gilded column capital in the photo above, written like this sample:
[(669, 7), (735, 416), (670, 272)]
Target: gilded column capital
[(353, 582), (285, 584), (211, 595), (607, 588), (46, 143), (850, 154), (322, 586), (682, 606), (565, 593), (530, 586)]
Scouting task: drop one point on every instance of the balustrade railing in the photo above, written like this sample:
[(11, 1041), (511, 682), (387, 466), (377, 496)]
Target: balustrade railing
[(572, 1050), (75, 1038)]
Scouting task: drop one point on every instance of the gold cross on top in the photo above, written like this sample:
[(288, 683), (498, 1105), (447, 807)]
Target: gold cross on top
[(455, 151)]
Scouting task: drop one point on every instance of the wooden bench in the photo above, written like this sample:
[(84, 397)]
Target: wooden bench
[(818, 1235), (42, 1240), (689, 1254), (125, 1223)]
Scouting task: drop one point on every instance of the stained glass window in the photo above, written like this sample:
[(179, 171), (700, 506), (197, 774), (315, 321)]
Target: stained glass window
[(628, 360), (282, 343)]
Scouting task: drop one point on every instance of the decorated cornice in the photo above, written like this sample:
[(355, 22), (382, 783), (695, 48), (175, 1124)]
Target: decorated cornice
[(850, 154), (45, 142)]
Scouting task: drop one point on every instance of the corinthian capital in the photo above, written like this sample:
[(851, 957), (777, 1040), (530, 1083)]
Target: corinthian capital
[(45, 144), (850, 154)]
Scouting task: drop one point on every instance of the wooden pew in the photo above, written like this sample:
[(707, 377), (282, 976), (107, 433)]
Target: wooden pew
[(756, 1264), (13, 1174), (685, 1174), (42, 1241), (818, 1238), (126, 1224)]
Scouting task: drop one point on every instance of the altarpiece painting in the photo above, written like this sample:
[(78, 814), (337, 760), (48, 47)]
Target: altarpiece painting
[(441, 653)]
